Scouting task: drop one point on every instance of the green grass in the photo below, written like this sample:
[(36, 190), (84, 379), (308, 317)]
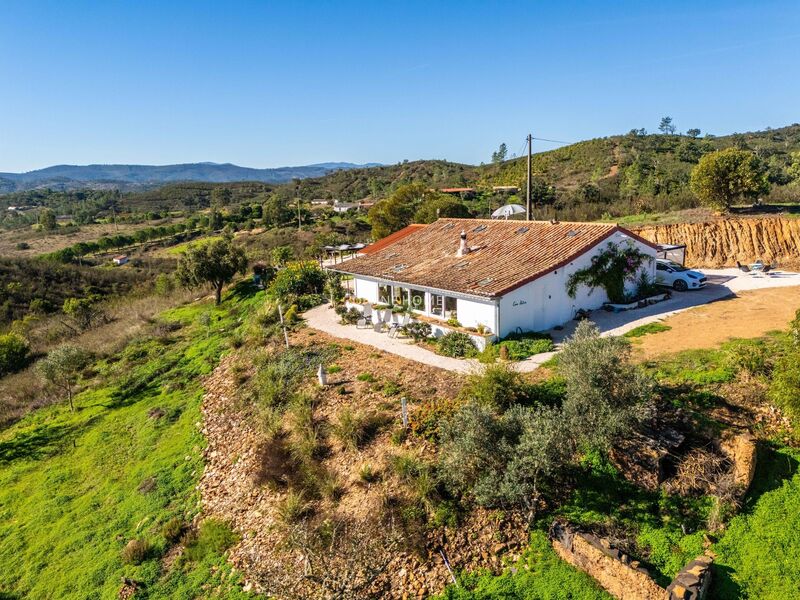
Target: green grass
[(643, 330), (540, 575), (179, 249), (759, 554), (76, 487)]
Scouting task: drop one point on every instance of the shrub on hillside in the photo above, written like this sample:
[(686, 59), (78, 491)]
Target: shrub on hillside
[(298, 279), (14, 353), (173, 530), (518, 346), (496, 385), (503, 459), (136, 552), (457, 345), (213, 536), (605, 393)]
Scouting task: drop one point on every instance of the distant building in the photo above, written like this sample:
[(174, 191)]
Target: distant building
[(458, 190), (343, 207), (505, 189), (320, 202), (120, 260)]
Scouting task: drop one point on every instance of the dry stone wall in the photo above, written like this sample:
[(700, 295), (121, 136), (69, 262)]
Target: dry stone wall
[(622, 577)]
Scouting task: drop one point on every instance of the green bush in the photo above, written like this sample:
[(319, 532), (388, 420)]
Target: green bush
[(173, 530), (643, 330), (496, 385), (298, 279), (417, 331), (136, 552), (14, 353), (519, 346), (457, 345), (748, 356), (213, 537)]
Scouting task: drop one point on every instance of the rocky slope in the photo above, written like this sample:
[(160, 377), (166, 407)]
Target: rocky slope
[(723, 241)]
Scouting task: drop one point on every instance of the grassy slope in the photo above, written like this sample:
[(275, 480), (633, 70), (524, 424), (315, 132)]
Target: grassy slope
[(758, 554), (69, 482)]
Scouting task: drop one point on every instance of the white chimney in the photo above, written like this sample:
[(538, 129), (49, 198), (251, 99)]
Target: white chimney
[(463, 249)]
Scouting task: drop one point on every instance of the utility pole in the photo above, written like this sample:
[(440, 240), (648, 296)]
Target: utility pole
[(528, 206)]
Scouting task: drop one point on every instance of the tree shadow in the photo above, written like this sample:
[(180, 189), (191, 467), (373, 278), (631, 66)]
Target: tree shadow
[(36, 444), (723, 586), (772, 469)]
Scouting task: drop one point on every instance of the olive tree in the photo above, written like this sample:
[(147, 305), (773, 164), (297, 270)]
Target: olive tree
[(606, 394), (214, 263), (62, 366)]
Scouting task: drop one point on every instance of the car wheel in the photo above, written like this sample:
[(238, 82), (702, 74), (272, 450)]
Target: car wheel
[(680, 285)]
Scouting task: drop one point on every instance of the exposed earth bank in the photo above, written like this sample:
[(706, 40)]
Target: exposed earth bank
[(723, 241)]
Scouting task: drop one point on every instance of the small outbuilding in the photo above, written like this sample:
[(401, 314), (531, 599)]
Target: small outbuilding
[(120, 259)]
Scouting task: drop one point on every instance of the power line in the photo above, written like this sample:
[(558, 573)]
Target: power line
[(553, 141)]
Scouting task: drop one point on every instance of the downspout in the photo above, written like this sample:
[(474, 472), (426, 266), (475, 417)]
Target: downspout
[(497, 318)]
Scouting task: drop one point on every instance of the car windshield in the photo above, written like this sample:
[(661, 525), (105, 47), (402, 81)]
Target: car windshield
[(673, 265)]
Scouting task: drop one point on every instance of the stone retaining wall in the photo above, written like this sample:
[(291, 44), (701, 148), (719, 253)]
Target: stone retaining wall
[(622, 577)]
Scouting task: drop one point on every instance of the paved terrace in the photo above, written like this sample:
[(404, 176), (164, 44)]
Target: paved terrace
[(722, 283)]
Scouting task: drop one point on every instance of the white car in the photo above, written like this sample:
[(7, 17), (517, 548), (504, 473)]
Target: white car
[(678, 277)]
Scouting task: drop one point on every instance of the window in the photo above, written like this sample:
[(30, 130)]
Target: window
[(437, 305), (449, 306), (385, 294), (417, 300)]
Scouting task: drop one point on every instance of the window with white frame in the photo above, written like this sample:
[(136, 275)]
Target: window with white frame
[(417, 300)]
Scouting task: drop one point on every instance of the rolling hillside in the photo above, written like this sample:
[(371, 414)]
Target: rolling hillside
[(127, 176)]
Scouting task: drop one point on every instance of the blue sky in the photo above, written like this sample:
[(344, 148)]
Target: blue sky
[(266, 84)]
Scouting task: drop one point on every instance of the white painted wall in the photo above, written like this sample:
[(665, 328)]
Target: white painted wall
[(544, 303), (368, 290), (472, 313)]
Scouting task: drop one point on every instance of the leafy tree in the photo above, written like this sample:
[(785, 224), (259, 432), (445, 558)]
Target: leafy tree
[(281, 255), (47, 219), (794, 168), (693, 133), (84, 312), (395, 212), (605, 393), (666, 126), (14, 353), (62, 366), (499, 156), (723, 177), (214, 263), (221, 196), (442, 205), (298, 279), (276, 211)]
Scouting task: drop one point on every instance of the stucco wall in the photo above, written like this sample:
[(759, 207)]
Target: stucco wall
[(368, 290), (472, 314), (544, 303)]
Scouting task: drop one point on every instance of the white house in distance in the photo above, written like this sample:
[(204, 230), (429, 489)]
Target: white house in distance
[(502, 275)]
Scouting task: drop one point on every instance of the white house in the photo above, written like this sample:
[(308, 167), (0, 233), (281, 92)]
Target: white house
[(120, 260), (497, 275)]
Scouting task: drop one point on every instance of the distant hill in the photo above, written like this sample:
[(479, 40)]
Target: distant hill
[(618, 175), (69, 177)]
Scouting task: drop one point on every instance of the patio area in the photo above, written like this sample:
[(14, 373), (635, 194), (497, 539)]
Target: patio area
[(722, 283)]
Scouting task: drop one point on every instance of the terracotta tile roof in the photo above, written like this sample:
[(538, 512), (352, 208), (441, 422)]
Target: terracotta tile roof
[(391, 238), (504, 254)]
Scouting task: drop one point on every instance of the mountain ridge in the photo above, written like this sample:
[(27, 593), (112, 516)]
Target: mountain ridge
[(128, 176)]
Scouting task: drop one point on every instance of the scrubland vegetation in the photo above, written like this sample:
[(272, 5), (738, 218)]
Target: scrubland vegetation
[(101, 381)]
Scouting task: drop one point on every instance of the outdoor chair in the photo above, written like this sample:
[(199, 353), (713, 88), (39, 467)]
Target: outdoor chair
[(378, 326), (398, 325), (387, 316), (743, 268), (767, 269), (361, 323), (368, 314)]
